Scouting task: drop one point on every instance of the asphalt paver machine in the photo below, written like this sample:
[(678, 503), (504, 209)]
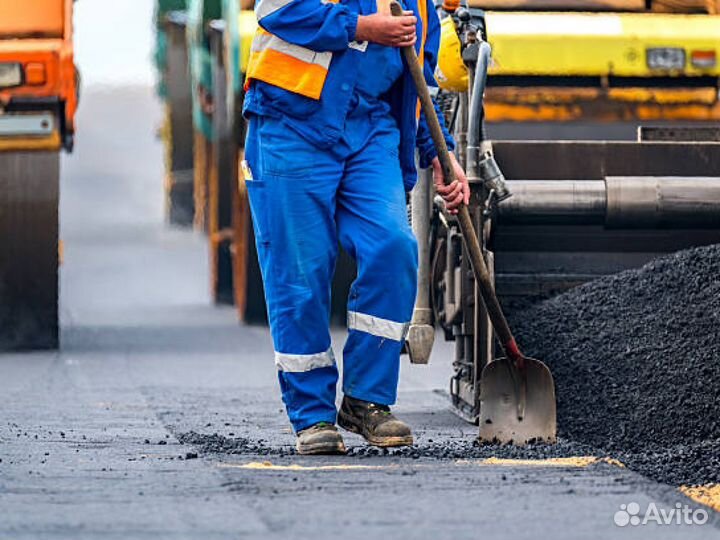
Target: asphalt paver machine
[(549, 215)]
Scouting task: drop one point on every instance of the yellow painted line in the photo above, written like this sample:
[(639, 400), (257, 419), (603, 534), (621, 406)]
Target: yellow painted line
[(709, 495), (268, 466), (574, 461)]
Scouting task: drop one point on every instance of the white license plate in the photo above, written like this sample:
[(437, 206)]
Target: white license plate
[(33, 125), (666, 58)]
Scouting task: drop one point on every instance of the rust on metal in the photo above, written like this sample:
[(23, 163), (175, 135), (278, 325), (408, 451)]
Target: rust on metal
[(542, 104)]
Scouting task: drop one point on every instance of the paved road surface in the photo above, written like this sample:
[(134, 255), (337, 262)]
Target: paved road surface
[(89, 438)]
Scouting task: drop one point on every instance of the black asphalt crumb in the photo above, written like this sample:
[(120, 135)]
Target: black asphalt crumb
[(473, 449), (219, 444)]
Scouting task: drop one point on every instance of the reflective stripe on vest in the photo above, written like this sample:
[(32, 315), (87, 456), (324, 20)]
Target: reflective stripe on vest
[(294, 68), (266, 7), (288, 66)]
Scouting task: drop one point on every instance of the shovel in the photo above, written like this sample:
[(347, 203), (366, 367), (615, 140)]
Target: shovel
[(517, 393)]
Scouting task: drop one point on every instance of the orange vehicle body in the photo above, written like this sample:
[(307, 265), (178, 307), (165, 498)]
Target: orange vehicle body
[(37, 35)]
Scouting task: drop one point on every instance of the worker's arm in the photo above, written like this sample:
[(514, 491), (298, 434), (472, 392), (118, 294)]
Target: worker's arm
[(459, 191), (330, 27)]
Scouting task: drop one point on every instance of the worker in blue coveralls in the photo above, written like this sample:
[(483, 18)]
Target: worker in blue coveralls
[(333, 125)]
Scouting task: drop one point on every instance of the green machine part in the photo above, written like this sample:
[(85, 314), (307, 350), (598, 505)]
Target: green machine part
[(231, 14), (200, 13), (162, 8), (239, 30)]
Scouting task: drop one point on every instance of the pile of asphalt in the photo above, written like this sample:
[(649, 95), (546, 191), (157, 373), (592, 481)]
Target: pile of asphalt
[(636, 361)]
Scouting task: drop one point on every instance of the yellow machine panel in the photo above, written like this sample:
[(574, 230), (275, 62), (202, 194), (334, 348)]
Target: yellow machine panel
[(526, 43), (561, 66)]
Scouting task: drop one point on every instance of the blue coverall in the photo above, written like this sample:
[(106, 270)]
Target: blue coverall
[(304, 199)]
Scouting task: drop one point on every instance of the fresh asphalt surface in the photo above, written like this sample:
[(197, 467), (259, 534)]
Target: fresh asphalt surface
[(89, 436)]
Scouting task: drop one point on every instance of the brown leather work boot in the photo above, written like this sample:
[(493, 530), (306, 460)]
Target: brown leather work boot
[(322, 438), (374, 422)]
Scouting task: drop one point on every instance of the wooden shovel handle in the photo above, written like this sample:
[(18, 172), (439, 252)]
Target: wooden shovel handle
[(470, 238)]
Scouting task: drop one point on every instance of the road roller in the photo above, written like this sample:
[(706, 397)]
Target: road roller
[(38, 99), (549, 215)]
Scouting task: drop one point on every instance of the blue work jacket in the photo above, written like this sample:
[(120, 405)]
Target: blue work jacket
[(331, 27)]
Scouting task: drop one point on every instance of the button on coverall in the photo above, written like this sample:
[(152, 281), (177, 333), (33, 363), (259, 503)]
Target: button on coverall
[(304, 200)]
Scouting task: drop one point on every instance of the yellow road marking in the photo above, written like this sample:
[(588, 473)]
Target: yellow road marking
[(709, 495), (576, 461), (268, 466)]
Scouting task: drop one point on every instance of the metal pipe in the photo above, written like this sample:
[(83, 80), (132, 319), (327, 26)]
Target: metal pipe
[(476, 116), (461, 128), (481, 165), (558, 201), (639, 202), (663, 202)]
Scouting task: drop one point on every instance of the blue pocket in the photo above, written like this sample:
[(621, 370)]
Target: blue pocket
[(255, 184), (283, 151)]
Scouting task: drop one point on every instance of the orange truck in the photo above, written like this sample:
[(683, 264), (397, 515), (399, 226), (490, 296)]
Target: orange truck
[(38, 100)]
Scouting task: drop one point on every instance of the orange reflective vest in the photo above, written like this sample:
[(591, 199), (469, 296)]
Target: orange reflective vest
[(295, 68)]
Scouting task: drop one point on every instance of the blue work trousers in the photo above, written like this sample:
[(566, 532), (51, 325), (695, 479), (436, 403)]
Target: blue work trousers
[(305, 200)]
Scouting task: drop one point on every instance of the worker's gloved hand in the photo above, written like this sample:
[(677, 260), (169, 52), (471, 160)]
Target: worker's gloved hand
[(456, 193), (386, 29)]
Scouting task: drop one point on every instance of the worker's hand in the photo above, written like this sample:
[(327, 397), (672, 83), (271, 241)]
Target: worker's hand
[(387, 29), (456, 193)]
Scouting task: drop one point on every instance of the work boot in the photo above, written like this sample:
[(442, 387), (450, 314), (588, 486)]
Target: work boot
[(374, 422), (322, 438)]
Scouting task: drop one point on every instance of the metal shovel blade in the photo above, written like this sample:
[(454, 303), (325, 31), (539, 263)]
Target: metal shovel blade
[(517, 406)]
